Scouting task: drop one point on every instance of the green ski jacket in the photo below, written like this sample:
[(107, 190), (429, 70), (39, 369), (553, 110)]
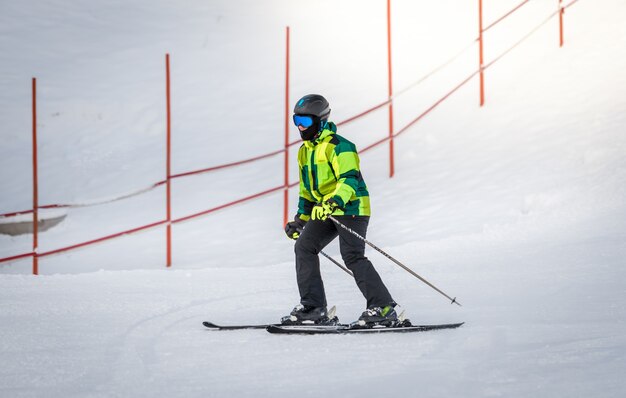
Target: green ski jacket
[(329, 168)]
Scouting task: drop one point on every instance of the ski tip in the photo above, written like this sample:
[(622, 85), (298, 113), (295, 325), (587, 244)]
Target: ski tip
[(210, 325)]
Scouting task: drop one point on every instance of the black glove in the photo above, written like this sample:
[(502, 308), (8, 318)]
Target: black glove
[(295, 227)]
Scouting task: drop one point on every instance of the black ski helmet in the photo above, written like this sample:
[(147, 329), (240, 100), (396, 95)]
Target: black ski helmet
[(316, 106)]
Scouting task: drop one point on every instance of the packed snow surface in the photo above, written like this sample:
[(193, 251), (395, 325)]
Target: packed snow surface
[(517, 208)]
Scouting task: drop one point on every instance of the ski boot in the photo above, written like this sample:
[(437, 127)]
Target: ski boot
[(376, 317), (309, 315)]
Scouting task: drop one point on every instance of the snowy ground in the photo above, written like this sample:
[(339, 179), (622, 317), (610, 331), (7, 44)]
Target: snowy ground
[(518, 208)]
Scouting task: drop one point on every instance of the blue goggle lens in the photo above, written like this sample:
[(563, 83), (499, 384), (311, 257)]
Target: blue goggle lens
[(303, 120)]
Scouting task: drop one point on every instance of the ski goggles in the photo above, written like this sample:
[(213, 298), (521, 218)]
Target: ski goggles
[(305, 121)]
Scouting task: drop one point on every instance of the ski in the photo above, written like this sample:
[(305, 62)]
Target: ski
[(346, 329), (214, 326)]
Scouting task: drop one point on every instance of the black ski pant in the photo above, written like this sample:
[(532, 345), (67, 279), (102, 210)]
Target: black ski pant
[(316, 235)]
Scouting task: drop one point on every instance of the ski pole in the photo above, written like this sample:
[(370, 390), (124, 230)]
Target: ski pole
[(410, 271), (346, 270), (337, 263)]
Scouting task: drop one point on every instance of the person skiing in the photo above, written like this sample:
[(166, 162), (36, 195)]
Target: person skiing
[(331, 184)]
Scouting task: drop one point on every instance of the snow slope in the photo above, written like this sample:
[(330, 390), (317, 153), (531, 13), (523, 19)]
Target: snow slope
[(518, 208)]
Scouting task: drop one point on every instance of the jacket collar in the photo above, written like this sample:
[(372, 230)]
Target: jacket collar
[(329, 129)]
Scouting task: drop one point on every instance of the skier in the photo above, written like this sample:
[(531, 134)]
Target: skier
[(331, 184)]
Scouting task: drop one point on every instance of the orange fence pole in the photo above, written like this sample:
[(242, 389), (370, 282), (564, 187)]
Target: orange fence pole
[(480, 52), (286, 182), (390, 90), (561, 11), (168, 184), (35, 184)]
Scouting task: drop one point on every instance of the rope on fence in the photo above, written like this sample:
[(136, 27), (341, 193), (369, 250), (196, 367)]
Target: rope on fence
[(105, 201), (16, 213), (235, 202), (434, 71), (223, 166), (87, 243), (505, 15), (88, 204), (521, 40), (143, 190), (19, 256), (427, 111), (105, 238)]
